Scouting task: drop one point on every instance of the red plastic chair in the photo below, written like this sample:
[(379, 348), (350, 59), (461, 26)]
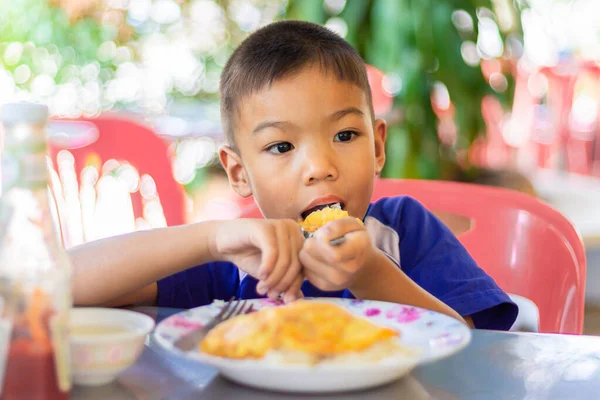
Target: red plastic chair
[(382, 101), (529, 248), (122, 139)]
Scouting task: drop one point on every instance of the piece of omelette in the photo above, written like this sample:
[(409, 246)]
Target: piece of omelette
[(319, 330)]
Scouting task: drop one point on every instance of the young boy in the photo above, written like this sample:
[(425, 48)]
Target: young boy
[(296, 108)]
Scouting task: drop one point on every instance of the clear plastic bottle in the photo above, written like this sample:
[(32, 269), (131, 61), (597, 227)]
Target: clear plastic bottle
[(35, 272)]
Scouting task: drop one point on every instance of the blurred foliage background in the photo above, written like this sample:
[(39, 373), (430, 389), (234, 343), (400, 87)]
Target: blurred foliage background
[(424, 45), (82, 57)]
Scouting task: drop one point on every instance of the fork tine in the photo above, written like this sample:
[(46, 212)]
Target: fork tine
[(247, 309), (225, 308), (244, 309), (225, 315), (191, 339), (235, 310), (217, 319), (239, 310)]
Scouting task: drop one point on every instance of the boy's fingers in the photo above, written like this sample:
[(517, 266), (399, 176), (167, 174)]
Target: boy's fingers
[(324, 252), (261, 288), (294, 292), (292, 273), (294, 268), (317, 281), (314, 248), (289, 240), (337, 228), (283, 257), (298, 238), (324, 273), (355, 244), (310, 257), (319, 273), (266, 240)]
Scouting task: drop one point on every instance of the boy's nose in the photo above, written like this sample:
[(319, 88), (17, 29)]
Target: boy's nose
[(319, 166)]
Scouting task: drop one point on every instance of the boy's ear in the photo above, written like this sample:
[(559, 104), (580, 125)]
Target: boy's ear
[(232, 163), (380, 134)]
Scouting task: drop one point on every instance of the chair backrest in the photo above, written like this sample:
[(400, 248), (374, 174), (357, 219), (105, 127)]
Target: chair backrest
[(131, 143), (526, 246)]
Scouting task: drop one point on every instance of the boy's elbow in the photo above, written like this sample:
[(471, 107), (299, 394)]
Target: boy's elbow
[(143, 297), (85, 297), (469, 321)]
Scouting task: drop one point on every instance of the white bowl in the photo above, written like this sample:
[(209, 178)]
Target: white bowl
[(97, 359)]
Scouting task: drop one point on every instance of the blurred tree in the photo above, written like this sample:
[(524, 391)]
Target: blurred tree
[(85, 56), (424, 45), (50, 55)]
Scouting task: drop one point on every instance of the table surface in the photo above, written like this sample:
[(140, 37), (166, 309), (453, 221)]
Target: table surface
[(496, 365)]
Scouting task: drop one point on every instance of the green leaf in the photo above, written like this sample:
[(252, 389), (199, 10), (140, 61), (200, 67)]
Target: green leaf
[(397, 150), (307, 10), (356, 14)]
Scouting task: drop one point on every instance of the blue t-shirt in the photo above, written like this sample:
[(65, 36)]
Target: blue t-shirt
[(412, 237)]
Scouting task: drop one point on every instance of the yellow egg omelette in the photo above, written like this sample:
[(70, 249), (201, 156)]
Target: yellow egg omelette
[(319, 329), (317, 219)]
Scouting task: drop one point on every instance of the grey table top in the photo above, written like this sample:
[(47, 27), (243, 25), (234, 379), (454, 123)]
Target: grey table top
[(495, 365)]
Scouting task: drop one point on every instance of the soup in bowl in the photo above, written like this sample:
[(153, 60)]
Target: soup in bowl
[(104, 342)]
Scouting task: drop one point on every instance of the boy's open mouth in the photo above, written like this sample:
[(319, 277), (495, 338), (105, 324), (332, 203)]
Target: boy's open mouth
[(320, 207)]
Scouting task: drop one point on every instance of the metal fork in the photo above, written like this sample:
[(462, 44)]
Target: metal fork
[(190, 340), (333, 242)]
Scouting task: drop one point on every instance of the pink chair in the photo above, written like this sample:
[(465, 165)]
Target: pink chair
[(126, 141), (382, 101), (528, 247)]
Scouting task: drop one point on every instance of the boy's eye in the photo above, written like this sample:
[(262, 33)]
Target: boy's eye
[(344, 136), (280, 148)]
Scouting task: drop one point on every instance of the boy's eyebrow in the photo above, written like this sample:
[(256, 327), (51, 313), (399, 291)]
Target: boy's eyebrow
[(282, 124), (270, 124), (346, 111)]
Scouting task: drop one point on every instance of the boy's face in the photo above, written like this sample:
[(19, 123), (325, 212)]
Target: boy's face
[(307, 140)]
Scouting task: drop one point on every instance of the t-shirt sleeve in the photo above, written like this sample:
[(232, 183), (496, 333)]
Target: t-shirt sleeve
[(433, 257), (198, 286)]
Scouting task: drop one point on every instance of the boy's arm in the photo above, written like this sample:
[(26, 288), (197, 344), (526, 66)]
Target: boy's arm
[(124, 269), (382, 280), (432, 257), (430, 266)]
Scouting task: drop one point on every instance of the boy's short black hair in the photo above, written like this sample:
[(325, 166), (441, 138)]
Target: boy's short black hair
[(282, 49)]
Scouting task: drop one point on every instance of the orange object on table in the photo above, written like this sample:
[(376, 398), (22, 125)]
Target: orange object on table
[(31, 366)]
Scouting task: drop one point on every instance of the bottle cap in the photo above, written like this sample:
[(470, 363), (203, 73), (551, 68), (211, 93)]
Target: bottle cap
[(13, 113)]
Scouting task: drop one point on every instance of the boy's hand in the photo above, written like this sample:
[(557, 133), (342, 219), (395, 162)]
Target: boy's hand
[(331, 267), (267, 250)]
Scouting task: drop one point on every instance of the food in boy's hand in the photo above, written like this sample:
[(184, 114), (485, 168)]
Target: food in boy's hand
[(322, 215), (304, 332)]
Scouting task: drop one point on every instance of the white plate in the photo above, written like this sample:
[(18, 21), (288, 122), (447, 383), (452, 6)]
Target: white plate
[(432, 335)]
